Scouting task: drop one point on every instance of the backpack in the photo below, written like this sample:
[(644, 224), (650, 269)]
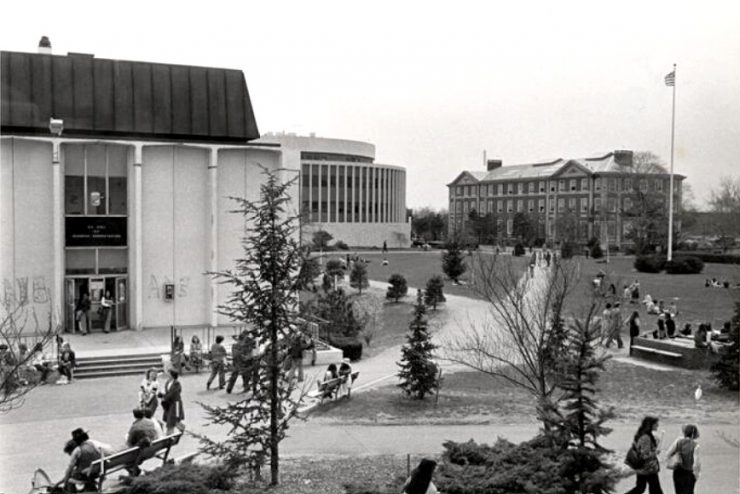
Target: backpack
[(633, 459)]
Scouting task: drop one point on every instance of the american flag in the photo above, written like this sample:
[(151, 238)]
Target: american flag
[(670, 79)]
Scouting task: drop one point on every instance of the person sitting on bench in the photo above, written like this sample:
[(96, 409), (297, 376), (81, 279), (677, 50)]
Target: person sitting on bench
[(83, 452), (345, 373), (142, 431)]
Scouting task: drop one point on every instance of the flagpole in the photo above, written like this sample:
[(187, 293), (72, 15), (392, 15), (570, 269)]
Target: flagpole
[(670, 189)]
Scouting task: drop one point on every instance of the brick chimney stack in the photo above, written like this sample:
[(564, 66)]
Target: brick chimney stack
[(493, 164), (45, 45)]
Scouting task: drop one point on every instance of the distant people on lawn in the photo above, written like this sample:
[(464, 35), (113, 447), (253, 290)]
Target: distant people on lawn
[(683, 455), (420, 480), (148, 390), (218, 363), (648, 448)]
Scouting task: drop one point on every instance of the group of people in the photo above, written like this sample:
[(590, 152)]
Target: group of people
[(144, 430), (682, 457), (715, 283), (26, 366), (82, 312), (246, 356), (343, 372), (180, 360)]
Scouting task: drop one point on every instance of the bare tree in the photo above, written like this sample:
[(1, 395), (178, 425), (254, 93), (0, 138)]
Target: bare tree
[(520, 341), (24, 335)]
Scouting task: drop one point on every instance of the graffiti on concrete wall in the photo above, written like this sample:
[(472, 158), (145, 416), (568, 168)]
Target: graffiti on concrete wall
[(156, 288), (25, 290)]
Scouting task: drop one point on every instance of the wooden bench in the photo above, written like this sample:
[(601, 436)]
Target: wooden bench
[(330, 388), (130, 459), (657, 351)]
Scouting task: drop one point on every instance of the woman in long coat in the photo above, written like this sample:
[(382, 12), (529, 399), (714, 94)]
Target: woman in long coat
[(172, 402)]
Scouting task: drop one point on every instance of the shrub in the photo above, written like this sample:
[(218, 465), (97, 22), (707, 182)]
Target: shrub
[(684, 265), (185, 478), (596, 251), (519, 249), (351, 347), (339, 244), (506, 468), (716, 258), (398, 287), (727, 370), (649, 264), (453, 264)]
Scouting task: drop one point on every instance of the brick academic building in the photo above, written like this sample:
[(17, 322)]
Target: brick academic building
[(594, 193)]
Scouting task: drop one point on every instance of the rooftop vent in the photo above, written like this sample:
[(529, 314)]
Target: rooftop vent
[(493, 164), (45, 45)]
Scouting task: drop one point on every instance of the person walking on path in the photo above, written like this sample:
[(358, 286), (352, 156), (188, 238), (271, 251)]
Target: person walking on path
[(238, 363), (615, 327), (172, 403), (218, 363), (385, 247), (106, 308), (420, 481), (196, 353), (648, 449), (686, 463)]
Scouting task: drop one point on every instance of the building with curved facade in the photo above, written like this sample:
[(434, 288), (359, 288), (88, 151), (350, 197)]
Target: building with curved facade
[(344, 192)]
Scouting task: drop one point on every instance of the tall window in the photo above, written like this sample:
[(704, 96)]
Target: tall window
[(561, 185), (95, 181), (561, 205), (573, 183), (531, 187)]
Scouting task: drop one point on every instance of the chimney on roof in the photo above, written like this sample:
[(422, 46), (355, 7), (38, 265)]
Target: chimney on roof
[(623, 157), (493, 164), (45, 45)]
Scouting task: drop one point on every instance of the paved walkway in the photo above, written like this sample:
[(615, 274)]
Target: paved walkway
[(33, 436)]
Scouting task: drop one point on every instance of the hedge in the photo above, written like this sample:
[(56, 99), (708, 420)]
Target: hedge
[(710, 257), (649, 264), (684, 265), (351, 347)]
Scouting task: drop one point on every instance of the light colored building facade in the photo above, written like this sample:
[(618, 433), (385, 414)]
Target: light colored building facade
[(594, 194), (344, 192), (126, 190)]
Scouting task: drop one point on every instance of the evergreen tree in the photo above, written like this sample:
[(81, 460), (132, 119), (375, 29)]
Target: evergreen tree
[(727, 371), (398, 287), (264, 298), (358, 276), (310, 269), (453, 261), (336, 309), (418, 374), (581, 419), (433, 293)]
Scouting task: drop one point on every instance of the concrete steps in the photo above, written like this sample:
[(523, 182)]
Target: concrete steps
[(119, 365)]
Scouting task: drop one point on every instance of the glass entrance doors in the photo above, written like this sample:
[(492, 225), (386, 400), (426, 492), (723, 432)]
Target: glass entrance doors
[(114, 288)]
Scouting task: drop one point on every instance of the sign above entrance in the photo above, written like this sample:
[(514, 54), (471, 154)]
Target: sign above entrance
[(87, 231)]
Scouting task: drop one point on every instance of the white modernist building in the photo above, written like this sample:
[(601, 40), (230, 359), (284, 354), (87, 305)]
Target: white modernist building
[(115, 177), (344, 192)]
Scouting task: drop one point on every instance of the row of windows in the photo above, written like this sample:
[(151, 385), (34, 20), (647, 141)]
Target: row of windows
[(582, 228), (611, 184), (95, 179), (538, 205)]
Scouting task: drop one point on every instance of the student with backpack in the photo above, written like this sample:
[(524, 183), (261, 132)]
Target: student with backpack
[(683, 458), (643, 457)]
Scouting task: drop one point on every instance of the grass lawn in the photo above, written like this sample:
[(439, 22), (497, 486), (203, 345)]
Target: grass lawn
[(695, 302), (474, 397)]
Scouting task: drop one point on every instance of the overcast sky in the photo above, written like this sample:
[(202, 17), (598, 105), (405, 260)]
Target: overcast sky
[(433, 84)]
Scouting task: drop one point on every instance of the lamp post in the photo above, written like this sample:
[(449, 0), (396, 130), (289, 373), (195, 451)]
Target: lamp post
[(56, 126)]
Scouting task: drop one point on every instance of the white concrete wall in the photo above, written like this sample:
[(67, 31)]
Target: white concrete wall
[(320, 144), (175, 235), (364, 234), (239, 175), (26, 230)]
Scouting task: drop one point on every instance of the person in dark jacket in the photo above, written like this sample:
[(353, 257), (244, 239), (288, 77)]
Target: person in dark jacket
[(239, 363), (67, 362), (82, 313), (420, 481), (218, 363), (172, 403), (648, 449), (670, 325)]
